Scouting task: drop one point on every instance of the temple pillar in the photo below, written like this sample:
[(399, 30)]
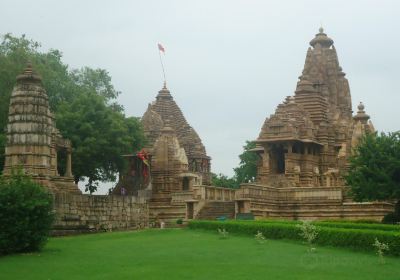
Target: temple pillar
[(68, 169)]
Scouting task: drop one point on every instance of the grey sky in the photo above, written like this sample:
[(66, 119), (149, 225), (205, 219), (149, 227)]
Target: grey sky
[(228, 63)]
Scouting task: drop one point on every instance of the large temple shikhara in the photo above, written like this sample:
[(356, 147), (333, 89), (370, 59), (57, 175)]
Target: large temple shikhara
[(305, 145), (309, 138)]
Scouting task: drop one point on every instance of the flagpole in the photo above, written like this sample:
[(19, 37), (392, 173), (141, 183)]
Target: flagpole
[(162, 66)]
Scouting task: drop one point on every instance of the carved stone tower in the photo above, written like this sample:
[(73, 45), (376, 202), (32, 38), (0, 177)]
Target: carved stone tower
[(307, 141), (165, 108), (32, 138)]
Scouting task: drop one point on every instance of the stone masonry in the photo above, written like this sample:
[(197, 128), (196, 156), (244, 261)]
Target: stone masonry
[(91, 213)]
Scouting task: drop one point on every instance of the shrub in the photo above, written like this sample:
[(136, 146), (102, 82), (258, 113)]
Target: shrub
[(25, 214), (380, 249), (223, 233), (309, 232), (360, 239), (259, 237), (179, 221)]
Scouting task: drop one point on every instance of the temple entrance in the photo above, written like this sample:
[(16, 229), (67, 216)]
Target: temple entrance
[(185, 184), (240, 207), (61, 161), (278, 160), (189, 210)]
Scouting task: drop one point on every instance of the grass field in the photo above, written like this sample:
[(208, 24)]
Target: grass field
[(190, 254)]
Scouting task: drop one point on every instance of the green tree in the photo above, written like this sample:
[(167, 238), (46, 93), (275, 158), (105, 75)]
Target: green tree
[(374, 172), (99, 135), (221, 180), (246, 172), (84, 101)]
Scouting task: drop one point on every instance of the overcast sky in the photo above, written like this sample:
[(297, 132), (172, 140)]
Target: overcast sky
[(228, 63)]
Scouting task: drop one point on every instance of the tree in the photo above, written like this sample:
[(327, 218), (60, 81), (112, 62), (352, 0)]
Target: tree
[(223, 181), (99, 135), (247, 170), (374, 171), (84, 102)]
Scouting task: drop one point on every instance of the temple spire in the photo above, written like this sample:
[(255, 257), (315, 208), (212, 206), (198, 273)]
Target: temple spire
[(164, 92)]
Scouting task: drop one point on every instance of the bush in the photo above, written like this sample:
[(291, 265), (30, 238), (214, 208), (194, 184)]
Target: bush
[(360, 239), (26, 214), (179, 222)]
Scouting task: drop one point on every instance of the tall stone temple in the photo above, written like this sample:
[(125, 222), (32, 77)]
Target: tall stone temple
[(309, 138), (176, 160), (164, 112), (305, 145), (33, 141)]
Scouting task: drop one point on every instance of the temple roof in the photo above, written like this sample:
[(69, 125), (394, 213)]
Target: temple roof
[(290, 122), (164, 109), (29, 75)]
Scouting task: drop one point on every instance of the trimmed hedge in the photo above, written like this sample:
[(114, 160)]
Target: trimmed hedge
[(343, 224), (26, 215), (395, 228), (360, 239)]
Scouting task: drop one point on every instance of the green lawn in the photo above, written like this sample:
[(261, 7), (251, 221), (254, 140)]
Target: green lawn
[(190, 254)]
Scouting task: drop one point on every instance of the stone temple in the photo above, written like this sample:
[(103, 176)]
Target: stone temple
[(176, 160), (304, 146), (164, 112), (33, 141)]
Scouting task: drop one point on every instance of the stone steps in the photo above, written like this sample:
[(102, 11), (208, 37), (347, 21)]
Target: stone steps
[(214, 209)]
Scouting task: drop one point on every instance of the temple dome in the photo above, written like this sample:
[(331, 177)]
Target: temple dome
[(322, 39)]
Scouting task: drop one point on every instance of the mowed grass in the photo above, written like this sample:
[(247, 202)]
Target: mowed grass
[(190, 254)]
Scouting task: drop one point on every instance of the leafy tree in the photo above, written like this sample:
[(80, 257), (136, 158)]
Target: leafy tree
[(84, 101), (221, 180), (246, 172), (100, 135), (374, 172)]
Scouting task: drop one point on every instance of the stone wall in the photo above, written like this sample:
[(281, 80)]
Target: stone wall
[(93, 213), (316, 203)]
